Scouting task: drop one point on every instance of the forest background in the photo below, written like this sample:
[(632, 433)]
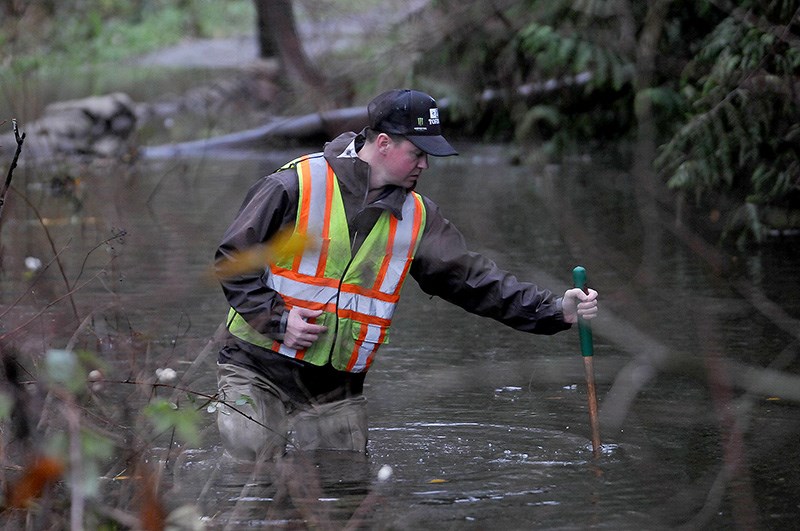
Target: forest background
[(705, 94)]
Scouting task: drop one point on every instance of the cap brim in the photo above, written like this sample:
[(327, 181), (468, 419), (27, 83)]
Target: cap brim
[(433, 145)]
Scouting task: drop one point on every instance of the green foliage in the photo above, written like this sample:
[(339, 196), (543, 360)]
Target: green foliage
[(245, 399), (62, 368), (68, 369), (586, 80), (556, 55), (721, 89), (95, 451), (166, 415), (111, 30), (536, 117), (740, 138), (547, 63)]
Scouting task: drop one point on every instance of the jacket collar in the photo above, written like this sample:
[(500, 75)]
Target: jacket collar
[(353, 174)]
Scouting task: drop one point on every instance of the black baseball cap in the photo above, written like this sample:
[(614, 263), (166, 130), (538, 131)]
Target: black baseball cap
[(414, 115)]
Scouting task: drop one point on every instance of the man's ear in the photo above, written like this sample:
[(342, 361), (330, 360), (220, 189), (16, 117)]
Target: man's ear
[(383, 141)]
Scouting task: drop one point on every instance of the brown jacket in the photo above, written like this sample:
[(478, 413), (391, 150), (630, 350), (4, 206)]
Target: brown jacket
[(443, 266)]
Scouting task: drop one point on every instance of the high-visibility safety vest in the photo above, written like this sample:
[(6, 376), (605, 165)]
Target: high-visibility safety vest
[(358, 294)]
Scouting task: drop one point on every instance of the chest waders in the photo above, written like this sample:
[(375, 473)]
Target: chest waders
[(357, 293)]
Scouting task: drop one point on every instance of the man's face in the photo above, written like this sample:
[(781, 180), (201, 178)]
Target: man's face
[(404, 163)]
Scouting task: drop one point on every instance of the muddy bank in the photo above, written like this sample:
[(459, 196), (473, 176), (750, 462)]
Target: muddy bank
[(229, 53)]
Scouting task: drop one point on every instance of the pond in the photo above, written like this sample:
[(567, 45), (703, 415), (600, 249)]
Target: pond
[(472, 425)]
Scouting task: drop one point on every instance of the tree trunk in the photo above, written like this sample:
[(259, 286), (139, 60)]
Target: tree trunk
[(277, 32), (646, 182), (267, 45)]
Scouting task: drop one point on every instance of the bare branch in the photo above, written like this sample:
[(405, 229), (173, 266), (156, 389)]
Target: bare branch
[(55, 254), (20, 139)]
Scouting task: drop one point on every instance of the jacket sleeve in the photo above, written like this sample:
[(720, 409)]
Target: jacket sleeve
[(270, 204), (444, 267)]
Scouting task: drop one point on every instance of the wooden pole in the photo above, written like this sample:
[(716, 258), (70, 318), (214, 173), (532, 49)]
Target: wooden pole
[(587, 350)]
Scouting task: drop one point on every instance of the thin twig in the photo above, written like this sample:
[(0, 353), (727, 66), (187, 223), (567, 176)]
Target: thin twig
[(85, 324), (30, 286), (49, 305), (7, 184), (53, 248), (113, 237)]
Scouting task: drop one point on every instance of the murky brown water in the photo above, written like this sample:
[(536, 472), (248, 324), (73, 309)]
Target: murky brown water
[(482, 426)]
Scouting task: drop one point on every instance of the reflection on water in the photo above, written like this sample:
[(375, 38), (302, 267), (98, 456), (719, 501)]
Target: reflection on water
[(442, 474), (299, 490), (482, 426)]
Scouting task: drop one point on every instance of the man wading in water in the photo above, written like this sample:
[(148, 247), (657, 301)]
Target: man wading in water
[(304, 332)]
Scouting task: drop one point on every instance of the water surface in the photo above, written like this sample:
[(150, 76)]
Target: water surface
[(482, 426)]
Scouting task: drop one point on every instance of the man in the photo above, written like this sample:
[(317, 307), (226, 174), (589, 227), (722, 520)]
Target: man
[(304, 332)]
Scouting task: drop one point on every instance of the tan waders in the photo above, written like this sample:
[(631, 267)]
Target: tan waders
[(257, 421)]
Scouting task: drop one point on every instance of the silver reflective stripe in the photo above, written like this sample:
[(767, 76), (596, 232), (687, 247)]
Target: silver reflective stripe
[(326, 295), (366, 305), (286, 351), (316, 216), (361, 318), (403, 240), (301, 290), (367, 349)]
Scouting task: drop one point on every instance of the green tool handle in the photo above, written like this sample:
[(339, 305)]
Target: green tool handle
[(584, 327)]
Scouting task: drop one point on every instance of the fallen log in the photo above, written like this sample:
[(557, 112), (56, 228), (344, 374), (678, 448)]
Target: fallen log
[(306, 127), (326, 125)]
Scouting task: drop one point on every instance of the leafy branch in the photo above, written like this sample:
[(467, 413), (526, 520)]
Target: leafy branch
[(739, 137)]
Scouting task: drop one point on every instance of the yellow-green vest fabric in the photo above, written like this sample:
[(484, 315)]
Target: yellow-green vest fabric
[(358, 294)]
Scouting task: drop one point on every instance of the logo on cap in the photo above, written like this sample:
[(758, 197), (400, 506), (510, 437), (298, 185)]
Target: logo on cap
[(403, 112)]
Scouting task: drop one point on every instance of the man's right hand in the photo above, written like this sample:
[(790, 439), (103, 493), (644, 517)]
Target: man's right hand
[(576, 304), (300, 333)]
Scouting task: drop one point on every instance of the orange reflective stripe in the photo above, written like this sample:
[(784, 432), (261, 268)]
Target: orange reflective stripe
[(364, 351), (290, 352), (277, 346), (356, 349), (318, 293), (416, 228), (418, 213), (355, 289), (354, 354), (363, 318), (369, 360), (334, 283), (387, 256), (357, 294), (342, 313), (305, 204), (369, 292), (326, 226), (300, 277), (317, 209), (309, 305)]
